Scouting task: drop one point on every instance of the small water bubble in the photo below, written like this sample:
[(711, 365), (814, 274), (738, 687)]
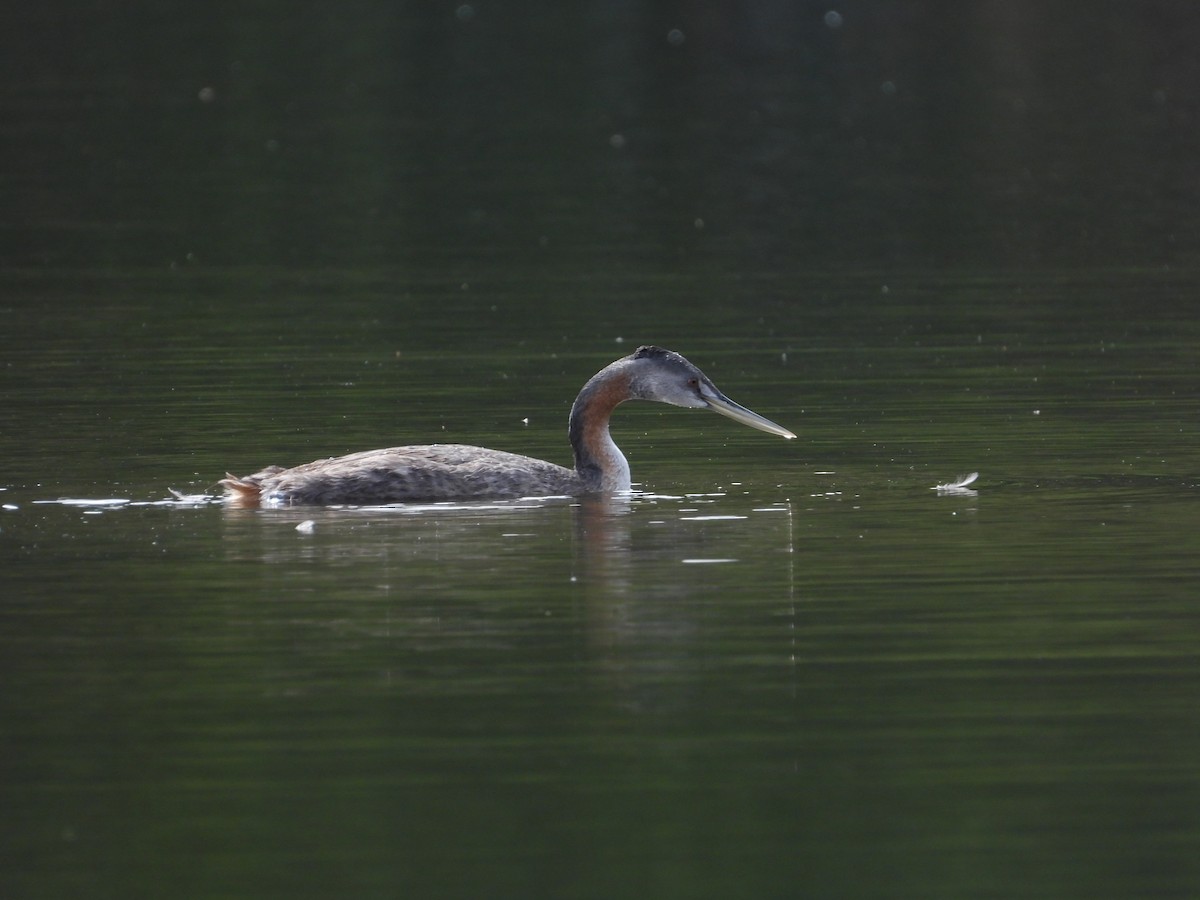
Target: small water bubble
[(207, 95), (617, 141), (675, 37), (888, 88), (465, 13), (698, 224), (833, 19)]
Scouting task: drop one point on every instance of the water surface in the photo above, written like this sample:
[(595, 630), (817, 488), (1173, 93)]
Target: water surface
[(929, 243)]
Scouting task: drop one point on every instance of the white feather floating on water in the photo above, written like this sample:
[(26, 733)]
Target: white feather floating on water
[(959, 486), (181, 497)]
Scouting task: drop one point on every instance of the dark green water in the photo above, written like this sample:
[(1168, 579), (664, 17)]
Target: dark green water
[(931, 242)]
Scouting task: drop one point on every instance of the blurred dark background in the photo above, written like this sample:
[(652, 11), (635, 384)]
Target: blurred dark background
[(753, 136)]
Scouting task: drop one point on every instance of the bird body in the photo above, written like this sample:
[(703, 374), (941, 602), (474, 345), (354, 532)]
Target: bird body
[(431, 472), (421, 472)]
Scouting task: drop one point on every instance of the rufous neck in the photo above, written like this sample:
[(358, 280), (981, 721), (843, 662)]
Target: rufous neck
[(598, 461)]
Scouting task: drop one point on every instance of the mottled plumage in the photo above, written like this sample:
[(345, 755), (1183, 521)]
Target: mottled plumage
[(460, 472)]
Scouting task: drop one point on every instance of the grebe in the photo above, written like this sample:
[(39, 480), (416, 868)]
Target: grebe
[(460, 472)]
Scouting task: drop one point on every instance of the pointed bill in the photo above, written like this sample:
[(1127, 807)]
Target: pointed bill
[(718, 402)]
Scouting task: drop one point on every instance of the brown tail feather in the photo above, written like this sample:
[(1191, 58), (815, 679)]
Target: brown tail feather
[(241, 488)]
